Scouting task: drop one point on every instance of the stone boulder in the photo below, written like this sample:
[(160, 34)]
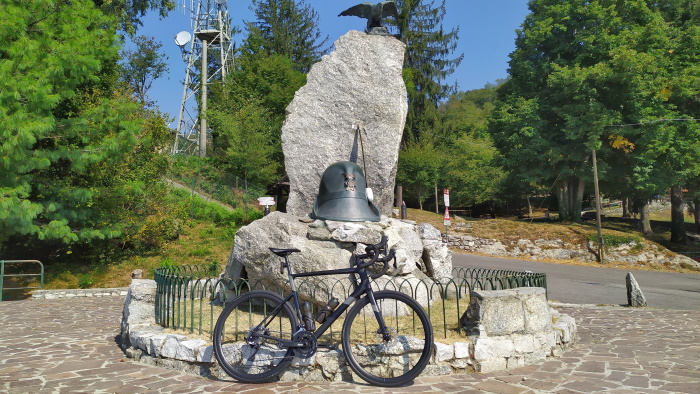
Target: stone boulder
[(358, 85), (328, 245), (635, 297)]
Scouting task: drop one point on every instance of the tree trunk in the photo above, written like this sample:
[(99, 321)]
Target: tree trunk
[(696, 213), (529, 206), (644, 222), (626, 208), (678, 233), (570, 198)]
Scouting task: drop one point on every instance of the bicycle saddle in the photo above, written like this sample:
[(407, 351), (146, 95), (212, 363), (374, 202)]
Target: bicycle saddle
[(283, 252)]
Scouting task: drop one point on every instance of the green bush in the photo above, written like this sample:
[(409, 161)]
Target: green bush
[(613, 240), (200, 252), (167, 263), (85, 281)]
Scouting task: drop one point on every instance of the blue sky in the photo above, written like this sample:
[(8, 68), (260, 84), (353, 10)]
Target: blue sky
[(486, 37)]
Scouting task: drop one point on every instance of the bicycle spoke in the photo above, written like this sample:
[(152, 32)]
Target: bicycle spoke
[(248, 336), (398, 359)]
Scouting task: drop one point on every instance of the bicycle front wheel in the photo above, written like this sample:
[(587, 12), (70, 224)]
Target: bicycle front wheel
[(393, 358), (247, 336)]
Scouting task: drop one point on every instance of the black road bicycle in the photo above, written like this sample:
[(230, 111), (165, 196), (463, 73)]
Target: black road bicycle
[(386, 338)]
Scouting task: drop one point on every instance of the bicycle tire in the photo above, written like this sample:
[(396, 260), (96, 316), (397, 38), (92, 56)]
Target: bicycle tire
[(376, 360), (261, 361)]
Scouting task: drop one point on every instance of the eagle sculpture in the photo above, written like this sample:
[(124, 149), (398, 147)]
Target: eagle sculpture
[(373, 13)]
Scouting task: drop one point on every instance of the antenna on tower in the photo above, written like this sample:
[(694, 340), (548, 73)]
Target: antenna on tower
[(209, 58), (181, 39)]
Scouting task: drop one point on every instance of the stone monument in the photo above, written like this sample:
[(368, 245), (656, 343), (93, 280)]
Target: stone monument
[(352, 108), (351, 113)]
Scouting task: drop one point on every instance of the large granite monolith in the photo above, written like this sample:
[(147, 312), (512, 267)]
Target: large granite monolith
[(357, 86)]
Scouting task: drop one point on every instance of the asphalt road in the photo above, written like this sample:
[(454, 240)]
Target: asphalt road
[(598, 285)]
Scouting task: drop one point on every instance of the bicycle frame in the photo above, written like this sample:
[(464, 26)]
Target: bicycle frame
[(363, 288)]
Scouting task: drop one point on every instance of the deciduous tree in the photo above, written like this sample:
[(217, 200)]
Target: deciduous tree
[(142, 65)]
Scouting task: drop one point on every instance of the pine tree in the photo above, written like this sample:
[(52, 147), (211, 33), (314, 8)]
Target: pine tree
[(76, 156), (288, 28), (428, 59)]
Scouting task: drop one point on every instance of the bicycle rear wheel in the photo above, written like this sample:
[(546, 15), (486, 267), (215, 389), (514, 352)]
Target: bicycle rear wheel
[(392, 361), (238, 343)]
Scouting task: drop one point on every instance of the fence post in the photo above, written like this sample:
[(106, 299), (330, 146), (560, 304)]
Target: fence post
[(2, 276)]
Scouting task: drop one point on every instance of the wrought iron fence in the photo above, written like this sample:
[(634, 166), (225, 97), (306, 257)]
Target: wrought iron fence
[(190, 298)]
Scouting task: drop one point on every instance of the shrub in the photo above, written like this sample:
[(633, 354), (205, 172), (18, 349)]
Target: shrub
[(615, 240), (85, 281)]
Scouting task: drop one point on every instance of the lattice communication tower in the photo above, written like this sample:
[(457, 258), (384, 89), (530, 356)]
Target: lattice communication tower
[(209, 58)]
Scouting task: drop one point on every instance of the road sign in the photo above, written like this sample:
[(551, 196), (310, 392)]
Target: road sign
[(266, 201), (446, 194), (447, 216)]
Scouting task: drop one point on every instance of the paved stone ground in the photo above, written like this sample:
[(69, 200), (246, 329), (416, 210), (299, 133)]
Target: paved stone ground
[(56, 346)]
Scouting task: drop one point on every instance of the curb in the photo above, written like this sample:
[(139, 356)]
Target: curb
[(54, 294)]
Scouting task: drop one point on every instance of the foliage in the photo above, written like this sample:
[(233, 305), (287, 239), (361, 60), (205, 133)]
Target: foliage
[(579, 68), (208, 177), (615, 240), (471, 173), (85, 281), (247, 116), (130, 12), (419, 170), (459, 155), (466, 113), (78, 157), (428, 62), (285, 27), (143, 65)]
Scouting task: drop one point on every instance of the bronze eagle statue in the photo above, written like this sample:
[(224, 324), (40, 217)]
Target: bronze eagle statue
[(373, 13)]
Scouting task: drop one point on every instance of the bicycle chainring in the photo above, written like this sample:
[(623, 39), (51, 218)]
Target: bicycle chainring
[(309, 342)]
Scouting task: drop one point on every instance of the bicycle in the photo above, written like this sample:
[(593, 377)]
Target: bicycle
[(387, 337)]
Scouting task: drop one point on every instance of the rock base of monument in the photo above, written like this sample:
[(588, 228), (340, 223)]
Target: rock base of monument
[(327, 245), (510, 328)]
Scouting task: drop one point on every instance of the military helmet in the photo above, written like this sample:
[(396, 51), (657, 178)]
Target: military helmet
[(342, 197)]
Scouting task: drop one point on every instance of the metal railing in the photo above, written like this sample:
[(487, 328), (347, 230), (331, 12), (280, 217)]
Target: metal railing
[(189, 298), (5, 264)]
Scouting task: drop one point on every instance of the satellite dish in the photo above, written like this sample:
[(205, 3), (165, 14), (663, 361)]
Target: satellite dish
[(182, 38)]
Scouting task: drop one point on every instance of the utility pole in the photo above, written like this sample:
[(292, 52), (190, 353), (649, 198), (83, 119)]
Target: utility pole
[(203, 105), (601, 241)]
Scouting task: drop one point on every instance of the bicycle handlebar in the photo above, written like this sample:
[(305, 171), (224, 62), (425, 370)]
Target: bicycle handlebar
[(373, 252)]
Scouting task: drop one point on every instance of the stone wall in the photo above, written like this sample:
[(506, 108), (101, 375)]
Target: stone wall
[(513, 328), (556, 249), (72, 293), (149, 343)]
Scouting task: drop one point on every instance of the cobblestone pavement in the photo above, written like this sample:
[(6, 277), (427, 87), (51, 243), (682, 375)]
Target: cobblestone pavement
[(53, 346)]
